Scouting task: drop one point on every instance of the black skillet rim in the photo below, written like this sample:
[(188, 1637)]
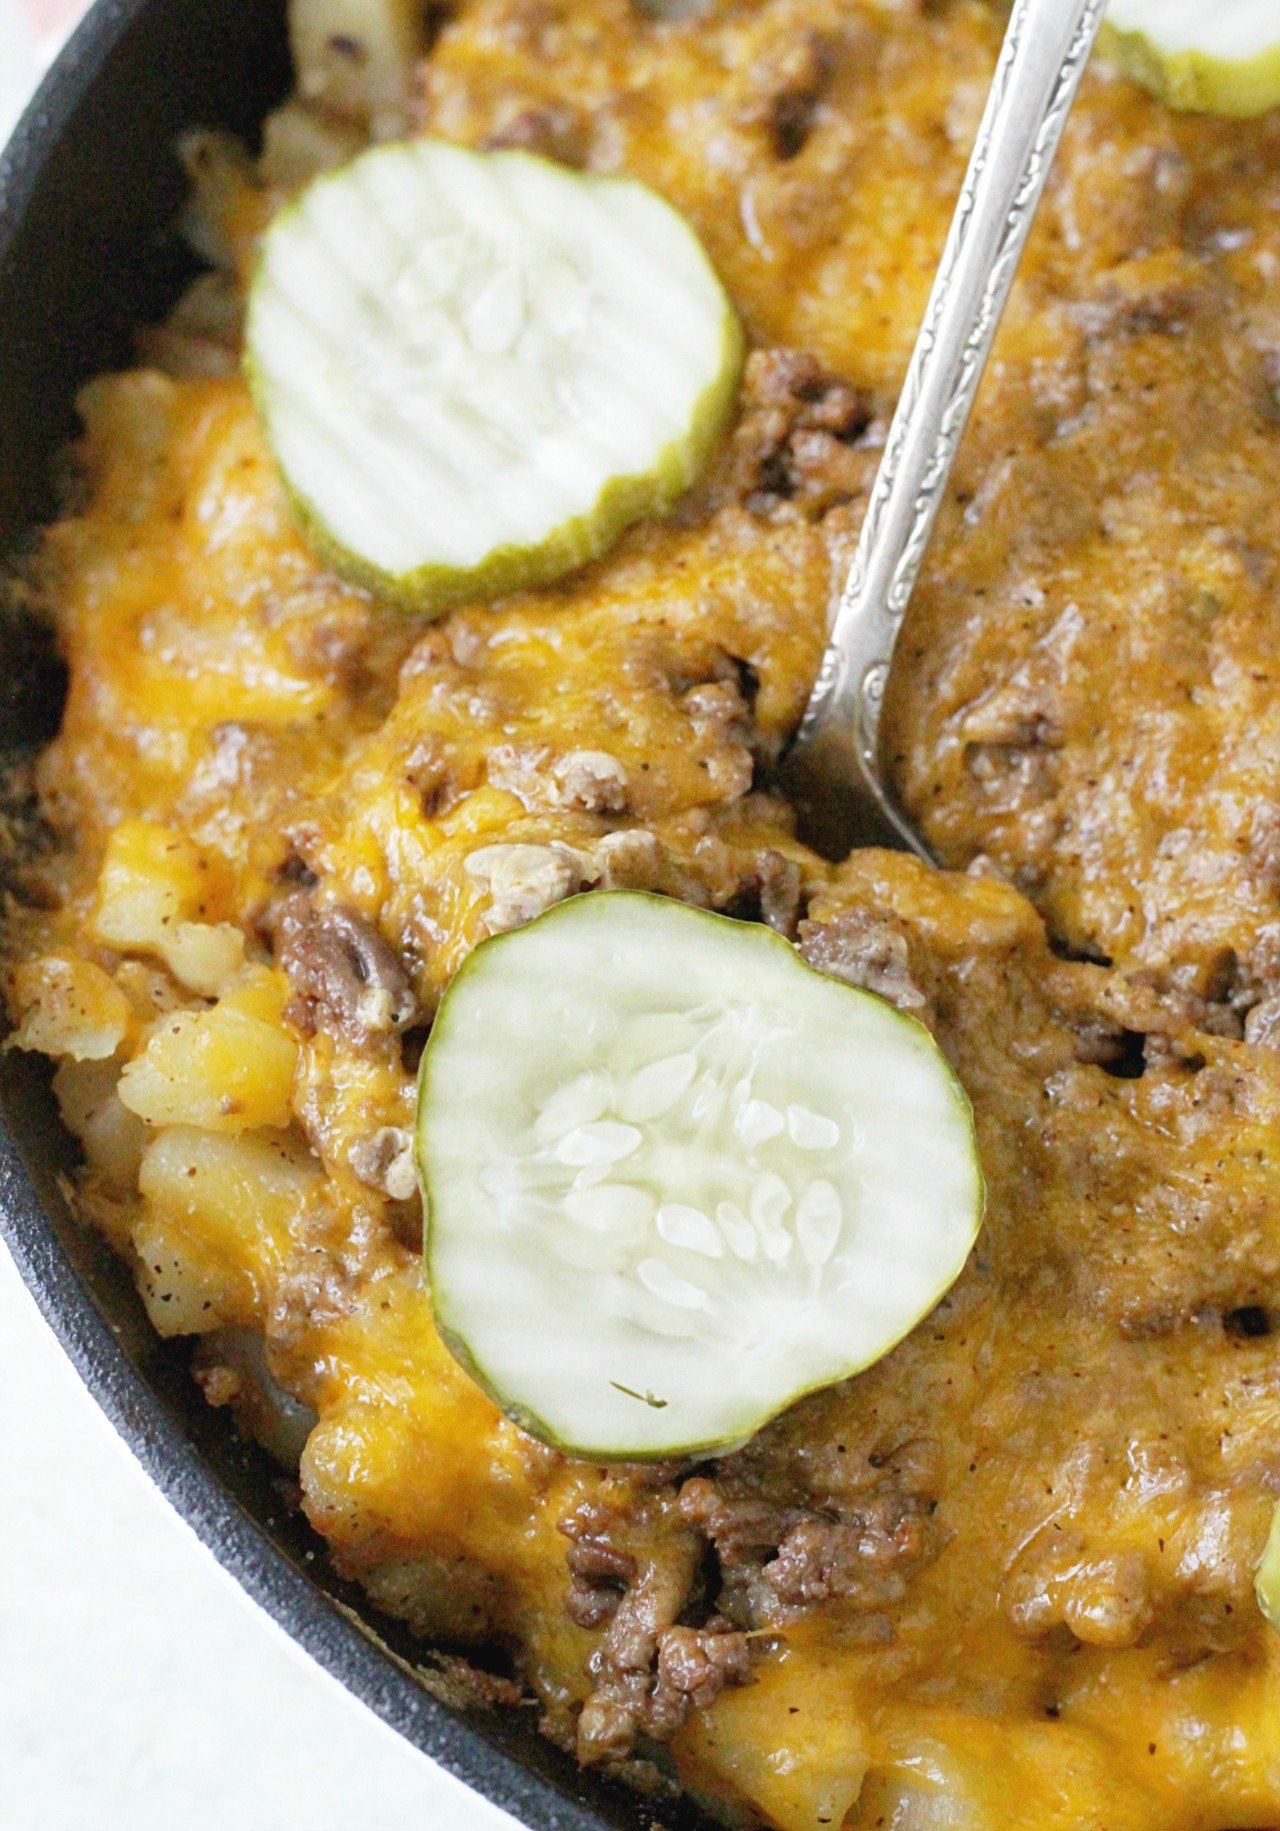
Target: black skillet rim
[(551, 1796)]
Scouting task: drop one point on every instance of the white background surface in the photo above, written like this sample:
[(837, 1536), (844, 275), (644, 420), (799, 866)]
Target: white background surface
[(140, 1690)]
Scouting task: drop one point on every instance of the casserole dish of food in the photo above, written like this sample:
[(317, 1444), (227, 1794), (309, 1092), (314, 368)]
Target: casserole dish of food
[(273, 807)]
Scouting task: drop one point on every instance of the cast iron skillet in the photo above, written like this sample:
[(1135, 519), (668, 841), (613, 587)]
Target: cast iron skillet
[(88, 191)]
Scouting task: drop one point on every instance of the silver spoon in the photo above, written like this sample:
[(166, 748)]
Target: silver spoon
[(833, 771)]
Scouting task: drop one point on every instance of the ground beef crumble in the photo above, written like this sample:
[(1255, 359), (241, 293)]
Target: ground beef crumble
[(804, 438), (343, 974), (687, 1576), (779, 1557), (865, 949), (636, 1569)]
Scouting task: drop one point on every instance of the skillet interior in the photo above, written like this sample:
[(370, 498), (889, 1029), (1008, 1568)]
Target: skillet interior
[(88, 188)]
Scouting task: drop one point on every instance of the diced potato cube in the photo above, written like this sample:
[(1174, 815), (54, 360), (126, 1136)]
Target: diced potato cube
[(231, 1366), (298, 143), (224, 205), (778, 1744), (151, 879), (153, 886), (355, 58), (150, 989), (112, 1138), (205, 957), (261, 992), (212, 307), (202, 334), (70, 1007), (129, 423), (219, 1214), (184, 358), (220, 1069)]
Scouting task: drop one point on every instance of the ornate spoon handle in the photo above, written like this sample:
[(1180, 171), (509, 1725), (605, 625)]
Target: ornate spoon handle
[(833, 769)]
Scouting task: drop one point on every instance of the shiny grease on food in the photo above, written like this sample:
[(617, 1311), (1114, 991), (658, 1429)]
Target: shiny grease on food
[(1005, 1576)]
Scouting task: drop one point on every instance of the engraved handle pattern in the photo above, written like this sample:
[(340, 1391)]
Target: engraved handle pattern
[(1045, 51)]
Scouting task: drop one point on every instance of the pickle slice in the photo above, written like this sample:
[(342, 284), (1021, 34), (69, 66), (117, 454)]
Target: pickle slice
[(1212, 59), (476, 369), (1267, 1582), (675, 1178)]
